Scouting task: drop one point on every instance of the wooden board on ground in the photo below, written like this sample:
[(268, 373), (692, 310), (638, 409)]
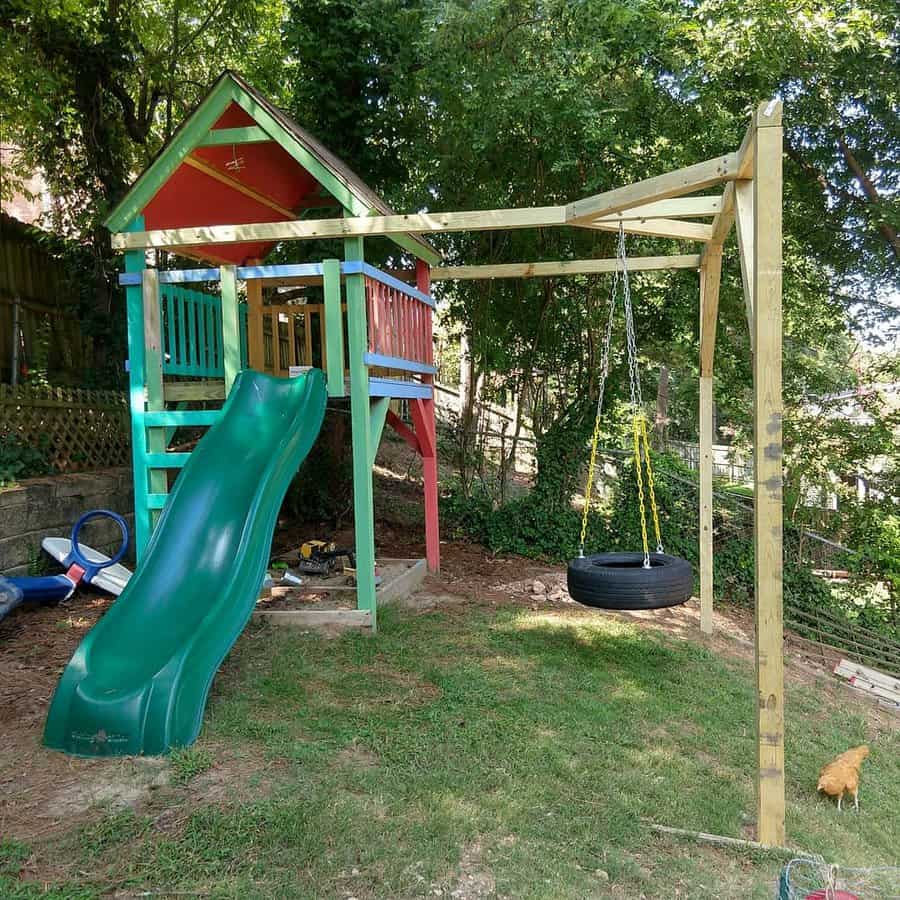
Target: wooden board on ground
[(329, 602), (885, 687)]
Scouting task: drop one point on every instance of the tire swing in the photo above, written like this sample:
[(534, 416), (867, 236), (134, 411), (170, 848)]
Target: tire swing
[(627, 581)]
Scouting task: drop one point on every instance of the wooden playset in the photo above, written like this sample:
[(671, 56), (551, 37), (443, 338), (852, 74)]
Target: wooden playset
[(239, 177)]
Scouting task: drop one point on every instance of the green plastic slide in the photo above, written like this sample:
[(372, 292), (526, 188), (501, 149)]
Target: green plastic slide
[(139, 681)]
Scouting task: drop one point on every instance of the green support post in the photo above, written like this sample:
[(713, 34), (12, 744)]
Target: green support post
[(156, 438), (378, 411), (334, 328), (231, 326), (363, 514), (135, 262)]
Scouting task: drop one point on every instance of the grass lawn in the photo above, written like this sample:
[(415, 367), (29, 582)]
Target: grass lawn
[(473, 752)]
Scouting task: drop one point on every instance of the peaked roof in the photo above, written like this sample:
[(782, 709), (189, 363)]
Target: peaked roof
[(239, 159)]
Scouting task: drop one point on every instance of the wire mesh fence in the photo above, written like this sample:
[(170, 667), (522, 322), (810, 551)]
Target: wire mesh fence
[(812, 879)]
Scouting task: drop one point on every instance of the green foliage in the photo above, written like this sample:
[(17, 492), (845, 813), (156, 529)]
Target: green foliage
[(878, 558), (19, 459), (189, 762), (12, 855)]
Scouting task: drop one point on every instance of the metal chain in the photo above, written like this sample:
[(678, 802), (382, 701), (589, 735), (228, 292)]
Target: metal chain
[(639, 424), (595, 439), (637, 402)]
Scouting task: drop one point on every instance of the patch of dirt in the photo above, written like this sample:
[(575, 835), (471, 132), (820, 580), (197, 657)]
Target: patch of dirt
[(41, 791), (357, 757), (473, 880)]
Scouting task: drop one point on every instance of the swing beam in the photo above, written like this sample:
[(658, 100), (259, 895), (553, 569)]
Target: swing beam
[(657, 206)]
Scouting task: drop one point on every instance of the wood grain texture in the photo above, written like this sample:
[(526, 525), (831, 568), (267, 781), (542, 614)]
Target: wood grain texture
[(231, 337), (710, 280), (563, 267), (660, 187), (743, 209), (667, 228), (767, 455), (360, 226), (706, 504), (153, 380)]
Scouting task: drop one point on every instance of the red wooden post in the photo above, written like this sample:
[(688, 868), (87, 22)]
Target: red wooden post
[(423, 418)]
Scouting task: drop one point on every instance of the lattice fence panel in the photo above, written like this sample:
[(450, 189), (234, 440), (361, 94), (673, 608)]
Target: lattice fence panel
[(77, 429)]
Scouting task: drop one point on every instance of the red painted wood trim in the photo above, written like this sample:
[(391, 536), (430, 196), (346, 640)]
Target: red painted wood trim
[(404, 430), (422, 412)]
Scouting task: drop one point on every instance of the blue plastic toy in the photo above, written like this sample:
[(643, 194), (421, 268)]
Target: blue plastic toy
[(53, 588)]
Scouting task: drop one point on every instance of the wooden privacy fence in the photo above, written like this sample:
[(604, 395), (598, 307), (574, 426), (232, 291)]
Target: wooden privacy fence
[(76, 429)]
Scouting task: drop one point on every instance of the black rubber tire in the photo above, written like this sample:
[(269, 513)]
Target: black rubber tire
[(619, 581)]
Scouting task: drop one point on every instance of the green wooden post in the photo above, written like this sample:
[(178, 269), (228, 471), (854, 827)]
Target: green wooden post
[(378, 410), (135, 262), (156, 439), (334, 328), (363, 514), (231, 326)]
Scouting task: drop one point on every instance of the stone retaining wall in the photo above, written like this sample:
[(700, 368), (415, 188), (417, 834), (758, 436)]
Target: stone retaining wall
[(48, 507)]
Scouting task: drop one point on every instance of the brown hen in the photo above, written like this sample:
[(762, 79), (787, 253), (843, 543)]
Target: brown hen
[(841, 775)]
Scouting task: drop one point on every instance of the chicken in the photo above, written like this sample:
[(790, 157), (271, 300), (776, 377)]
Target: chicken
[(841, 776)]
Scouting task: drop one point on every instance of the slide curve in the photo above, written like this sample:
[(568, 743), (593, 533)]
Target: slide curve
[(138, 682)]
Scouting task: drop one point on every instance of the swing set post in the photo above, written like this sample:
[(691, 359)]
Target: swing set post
[(767, 453)]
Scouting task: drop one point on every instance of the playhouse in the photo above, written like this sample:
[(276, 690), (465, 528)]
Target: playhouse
[(239, 159)]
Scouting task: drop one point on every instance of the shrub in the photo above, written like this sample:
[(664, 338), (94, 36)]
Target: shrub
[(19, 459)]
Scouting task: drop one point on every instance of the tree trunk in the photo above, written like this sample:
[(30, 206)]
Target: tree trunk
[(888, 232)]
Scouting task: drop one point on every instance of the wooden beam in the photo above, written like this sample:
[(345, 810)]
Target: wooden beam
[(360, 412), (256, 354), (176, 391), (249, 134), (660, 187), (725, 217), (378, 412), (710, 279), (298, 230), (706, 504), (563, 267), (231, 340), (668, 228), (334, 328), (408, 435), (767, 460), (743, 208), (678, 207), (202, 166), (153, 374), (134, 297)]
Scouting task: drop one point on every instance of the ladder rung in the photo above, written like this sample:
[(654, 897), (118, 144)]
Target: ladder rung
[(167, 460), (177, 417)]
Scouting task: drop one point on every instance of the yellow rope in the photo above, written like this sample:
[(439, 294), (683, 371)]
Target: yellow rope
[(590, 479), (636, 428), (650, 485)]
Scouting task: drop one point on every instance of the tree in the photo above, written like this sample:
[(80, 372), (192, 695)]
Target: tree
[(90, 89)]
